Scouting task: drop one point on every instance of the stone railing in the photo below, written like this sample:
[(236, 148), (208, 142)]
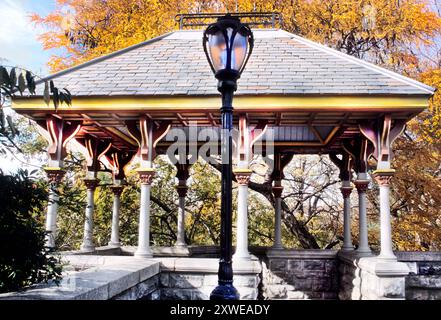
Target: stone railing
[(276, 274), (89, 277), (98, 278)]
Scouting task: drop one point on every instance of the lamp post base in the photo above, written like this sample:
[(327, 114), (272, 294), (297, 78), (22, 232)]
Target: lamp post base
[(224, 292)]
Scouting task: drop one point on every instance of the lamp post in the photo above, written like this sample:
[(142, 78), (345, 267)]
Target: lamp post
[(228, 45)]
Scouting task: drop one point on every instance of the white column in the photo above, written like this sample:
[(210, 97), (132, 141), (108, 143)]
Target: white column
[(182, 192), (88, 245), (347, 238), (146, 177), (383, 179), (242, 178), (114, 238), (362, 184), (277, 191), (51, 218), (54, 176)]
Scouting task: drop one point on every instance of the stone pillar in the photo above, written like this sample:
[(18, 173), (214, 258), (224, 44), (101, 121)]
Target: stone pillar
[(277, 191), (88, 244), (145, 176), (362, 184), (242, 178), (182, 192), (346, 190), (114, 238), (383, 177), (54, 176)]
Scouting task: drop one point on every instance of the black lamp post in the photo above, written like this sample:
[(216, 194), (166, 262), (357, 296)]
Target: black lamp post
[(227, 44)]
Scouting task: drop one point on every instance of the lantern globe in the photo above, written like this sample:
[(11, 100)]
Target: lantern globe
[(228, 45)]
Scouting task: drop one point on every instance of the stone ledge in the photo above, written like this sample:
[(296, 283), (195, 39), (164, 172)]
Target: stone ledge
[(206, 265), (98, 283), (416, 256), (301, 254)]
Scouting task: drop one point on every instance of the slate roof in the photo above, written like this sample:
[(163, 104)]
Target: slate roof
[(281, 64)]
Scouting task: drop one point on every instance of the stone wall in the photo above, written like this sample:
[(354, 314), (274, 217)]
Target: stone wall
[(424, 279), (349, 280), (195, 278), (277, 274), (146, 290), (416, 276), (300, 274)]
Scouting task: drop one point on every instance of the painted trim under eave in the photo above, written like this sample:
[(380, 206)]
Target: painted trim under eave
[(241, 103)]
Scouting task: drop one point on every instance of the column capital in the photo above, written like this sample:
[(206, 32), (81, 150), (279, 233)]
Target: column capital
[(243, 176), (182, 190), (361, 185), (54, 174), (146, 175), (383, 177), (277, 191), (346, 191), (117, 189), (91, 183)]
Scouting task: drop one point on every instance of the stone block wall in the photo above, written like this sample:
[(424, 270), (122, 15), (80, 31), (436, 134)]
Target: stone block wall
[(424, 279), (362, 278), (146, 290), (300, 274), (191, 286), (195, 278)]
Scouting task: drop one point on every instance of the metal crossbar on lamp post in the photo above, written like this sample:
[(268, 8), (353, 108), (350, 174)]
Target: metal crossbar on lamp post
[(228, 45)]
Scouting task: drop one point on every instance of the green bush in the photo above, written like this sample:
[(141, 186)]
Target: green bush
[(24, 259)]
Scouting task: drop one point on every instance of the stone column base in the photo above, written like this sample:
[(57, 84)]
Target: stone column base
[(87, 248), (382, 280), (371, 278), (114, 244)]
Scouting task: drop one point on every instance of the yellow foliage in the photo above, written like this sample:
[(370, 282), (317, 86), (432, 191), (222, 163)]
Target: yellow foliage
[(90, 28)]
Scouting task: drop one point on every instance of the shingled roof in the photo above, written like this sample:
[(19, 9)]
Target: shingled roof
[(281, 64)]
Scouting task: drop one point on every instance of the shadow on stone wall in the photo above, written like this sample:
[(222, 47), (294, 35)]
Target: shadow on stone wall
[(300, 274)]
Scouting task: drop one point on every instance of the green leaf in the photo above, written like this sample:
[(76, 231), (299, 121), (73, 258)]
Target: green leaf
[(13, 77), (31, 85), (69, 97), (46, 94), (52, 86), (28, 77), (21, 83), (4, 77), (55, 97)]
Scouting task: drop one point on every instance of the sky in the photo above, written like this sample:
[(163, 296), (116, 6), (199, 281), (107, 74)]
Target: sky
[(18, 36), (19, 47)]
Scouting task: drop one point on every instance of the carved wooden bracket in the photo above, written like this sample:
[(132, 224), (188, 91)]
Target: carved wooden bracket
[(344, 164), (60, 132), (382, 133), (95, 149), (280, 162), (147, 136), (248, 137), (360, 150), (118, 161)]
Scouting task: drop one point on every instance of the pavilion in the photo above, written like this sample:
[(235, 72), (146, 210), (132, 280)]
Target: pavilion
[(294, 97)]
